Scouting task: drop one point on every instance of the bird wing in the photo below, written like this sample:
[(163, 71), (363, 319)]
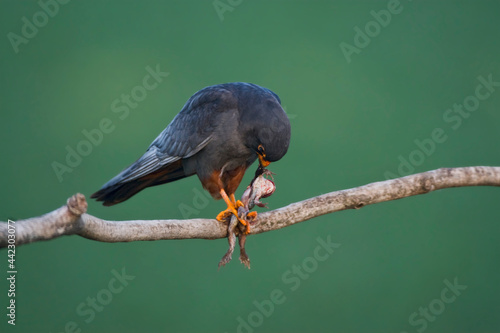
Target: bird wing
[(188, 133)]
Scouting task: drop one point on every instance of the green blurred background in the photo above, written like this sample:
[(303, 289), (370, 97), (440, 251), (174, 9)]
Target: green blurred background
[(352, 123)]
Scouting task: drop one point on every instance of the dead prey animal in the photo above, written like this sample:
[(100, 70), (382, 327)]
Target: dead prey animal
[(259, 188)]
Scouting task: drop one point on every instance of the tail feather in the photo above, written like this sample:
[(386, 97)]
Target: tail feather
[(115, 191)]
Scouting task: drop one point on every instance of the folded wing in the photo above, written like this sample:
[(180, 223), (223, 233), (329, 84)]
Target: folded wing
[(188, 133)]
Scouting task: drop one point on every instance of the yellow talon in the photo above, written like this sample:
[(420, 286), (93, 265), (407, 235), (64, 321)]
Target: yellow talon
[(252, 215), (232, 208), (222, 216)]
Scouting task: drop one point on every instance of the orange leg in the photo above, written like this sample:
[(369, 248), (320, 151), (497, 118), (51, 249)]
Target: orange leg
[(236, 203), (232, 208)]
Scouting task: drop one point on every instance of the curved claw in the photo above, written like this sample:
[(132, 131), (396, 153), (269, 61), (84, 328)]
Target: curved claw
[(224, 215), (251, 217), (232, 208), (247, 225)]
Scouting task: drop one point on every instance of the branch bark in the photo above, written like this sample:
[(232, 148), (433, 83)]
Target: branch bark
[(71, 219)]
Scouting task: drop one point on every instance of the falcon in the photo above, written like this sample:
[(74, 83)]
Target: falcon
[(218, 134)]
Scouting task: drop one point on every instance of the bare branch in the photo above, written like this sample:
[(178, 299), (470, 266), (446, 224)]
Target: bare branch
[(71, 219)]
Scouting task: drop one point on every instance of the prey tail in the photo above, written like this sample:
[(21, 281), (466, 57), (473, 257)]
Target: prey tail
[(123, 186)]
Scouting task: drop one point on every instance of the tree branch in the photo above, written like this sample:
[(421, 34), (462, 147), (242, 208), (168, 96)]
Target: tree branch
[(71, 218)]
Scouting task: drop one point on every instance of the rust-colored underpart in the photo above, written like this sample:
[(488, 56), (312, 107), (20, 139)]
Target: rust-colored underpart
[(222, 186)]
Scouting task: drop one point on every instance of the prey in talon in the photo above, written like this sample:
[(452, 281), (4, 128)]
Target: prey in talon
[(259, 188), (218, 134)]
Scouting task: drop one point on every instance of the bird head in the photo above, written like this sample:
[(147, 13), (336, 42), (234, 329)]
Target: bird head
[(272, 136), (264, 125)]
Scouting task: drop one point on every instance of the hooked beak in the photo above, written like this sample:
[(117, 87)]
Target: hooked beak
[(262, 161)]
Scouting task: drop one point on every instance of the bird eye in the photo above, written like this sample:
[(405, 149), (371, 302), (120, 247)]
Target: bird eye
[(261, 150)]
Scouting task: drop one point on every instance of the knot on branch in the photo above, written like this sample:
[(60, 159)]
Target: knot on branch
[(77, 204), (359, 201), (359, 205), (428, 184)]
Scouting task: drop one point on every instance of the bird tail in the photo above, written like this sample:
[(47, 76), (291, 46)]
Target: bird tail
[(118, 190)]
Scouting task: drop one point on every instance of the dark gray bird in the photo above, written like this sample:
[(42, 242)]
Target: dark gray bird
[(218, 134)]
